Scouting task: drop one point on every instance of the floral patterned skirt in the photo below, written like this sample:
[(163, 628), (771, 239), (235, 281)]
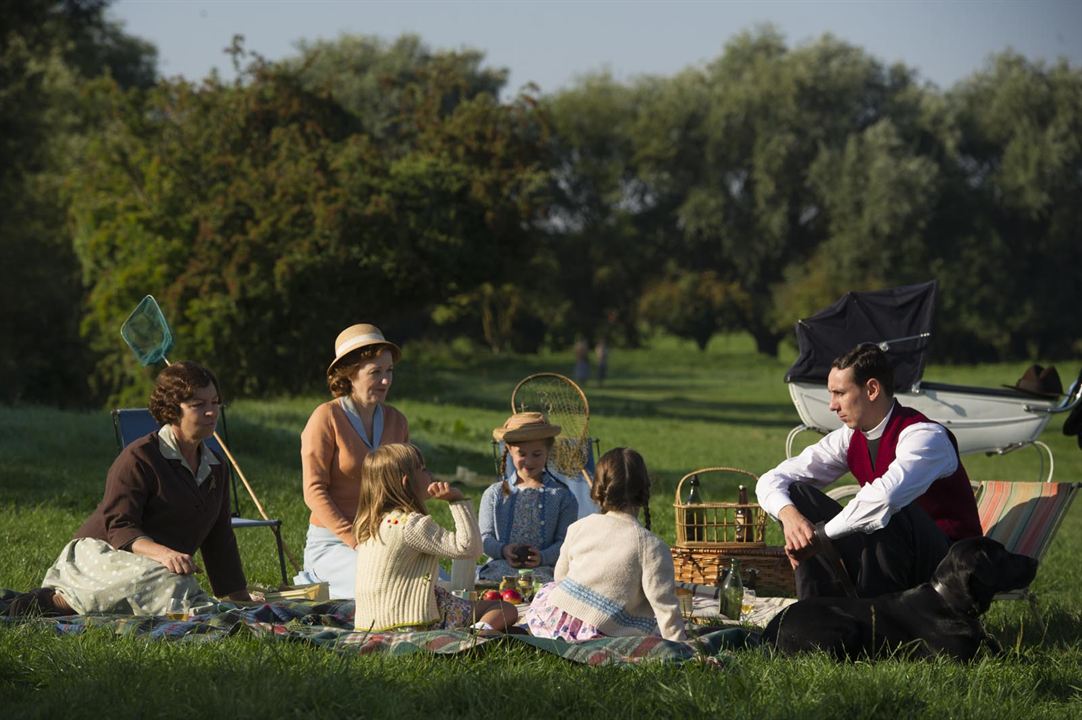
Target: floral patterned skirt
[(544, 619)]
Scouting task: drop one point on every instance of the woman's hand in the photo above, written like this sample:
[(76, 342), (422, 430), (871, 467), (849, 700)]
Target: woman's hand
[(444, 491), (173, 560)]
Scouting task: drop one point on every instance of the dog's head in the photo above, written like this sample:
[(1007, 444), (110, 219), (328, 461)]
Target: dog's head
[(975, 569)]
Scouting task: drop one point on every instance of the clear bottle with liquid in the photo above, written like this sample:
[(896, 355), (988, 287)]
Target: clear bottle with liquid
[(731, 597), (694, 520)]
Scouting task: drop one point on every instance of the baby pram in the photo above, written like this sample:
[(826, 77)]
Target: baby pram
[(899, 320)]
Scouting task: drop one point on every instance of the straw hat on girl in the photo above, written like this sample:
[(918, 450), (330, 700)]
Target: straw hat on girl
[(524, 427)]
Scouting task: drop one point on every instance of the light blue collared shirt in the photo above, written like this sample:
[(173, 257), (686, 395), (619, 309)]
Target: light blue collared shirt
[(355, 420)]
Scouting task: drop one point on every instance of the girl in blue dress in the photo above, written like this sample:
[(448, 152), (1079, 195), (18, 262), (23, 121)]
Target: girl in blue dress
[(524, 517)]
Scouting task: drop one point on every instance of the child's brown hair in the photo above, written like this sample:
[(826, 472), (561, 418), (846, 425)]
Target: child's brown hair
[(622, 483), (382, 490)]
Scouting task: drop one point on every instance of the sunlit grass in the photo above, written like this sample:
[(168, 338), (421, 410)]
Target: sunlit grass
[(682, 408)]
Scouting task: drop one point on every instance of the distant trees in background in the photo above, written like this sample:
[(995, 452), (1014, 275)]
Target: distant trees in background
[(385, 181)]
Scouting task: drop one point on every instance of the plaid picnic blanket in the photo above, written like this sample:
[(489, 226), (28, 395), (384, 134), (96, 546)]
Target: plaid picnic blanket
[(330, 625)]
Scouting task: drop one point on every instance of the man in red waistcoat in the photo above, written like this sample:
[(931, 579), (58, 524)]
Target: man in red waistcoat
[(914, 498)]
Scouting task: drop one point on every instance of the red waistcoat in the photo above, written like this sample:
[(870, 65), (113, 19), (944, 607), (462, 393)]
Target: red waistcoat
[(949, 500)]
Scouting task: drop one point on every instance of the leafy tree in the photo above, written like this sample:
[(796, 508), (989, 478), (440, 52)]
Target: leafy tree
[(1017, 263), (266, 218), (47, 51), (694, 305)]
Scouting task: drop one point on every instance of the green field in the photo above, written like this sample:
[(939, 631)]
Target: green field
[(681, 408)]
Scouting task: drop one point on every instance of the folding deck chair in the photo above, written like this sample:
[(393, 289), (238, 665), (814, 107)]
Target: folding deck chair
[(1022, 516), (133, 423)]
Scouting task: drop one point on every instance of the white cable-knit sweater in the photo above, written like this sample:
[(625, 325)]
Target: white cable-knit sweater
[(396, 572), (618, 576)]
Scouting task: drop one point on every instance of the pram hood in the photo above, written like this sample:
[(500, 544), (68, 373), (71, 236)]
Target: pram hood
[(898, 319)]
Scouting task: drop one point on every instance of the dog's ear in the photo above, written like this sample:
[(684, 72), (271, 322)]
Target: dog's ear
[(985, 573)]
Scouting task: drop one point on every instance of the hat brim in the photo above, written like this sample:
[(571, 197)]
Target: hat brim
[(520, 435), (396, 352), (1034, 393)]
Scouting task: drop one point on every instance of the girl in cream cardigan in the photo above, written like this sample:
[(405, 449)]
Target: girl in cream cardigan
[(399, 546), (614, 577)]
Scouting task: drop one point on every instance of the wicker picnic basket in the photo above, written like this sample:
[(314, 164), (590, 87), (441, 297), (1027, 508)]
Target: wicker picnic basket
[(709, 534)]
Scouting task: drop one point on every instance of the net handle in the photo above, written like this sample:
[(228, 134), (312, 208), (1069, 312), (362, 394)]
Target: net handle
[(558, 376), (700, 471)]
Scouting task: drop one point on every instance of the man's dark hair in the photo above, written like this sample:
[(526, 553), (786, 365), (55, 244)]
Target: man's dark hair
[(868, 361)]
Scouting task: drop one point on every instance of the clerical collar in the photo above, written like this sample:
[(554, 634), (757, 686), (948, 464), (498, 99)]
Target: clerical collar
[(877, 432)]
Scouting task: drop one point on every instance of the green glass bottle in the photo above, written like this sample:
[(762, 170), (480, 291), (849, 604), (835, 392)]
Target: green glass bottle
[(731, 597)]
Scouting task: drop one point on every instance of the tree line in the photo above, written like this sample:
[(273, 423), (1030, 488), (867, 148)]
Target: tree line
[(386, 181)]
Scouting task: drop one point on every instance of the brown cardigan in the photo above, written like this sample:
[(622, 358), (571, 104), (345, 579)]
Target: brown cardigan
[(147, 495), (331, 457)]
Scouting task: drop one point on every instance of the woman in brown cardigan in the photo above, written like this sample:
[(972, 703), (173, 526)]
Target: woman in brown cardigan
[(166, 496), (338, 436)]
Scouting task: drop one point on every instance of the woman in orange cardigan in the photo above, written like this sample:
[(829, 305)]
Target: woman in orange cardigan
[(338, 436)]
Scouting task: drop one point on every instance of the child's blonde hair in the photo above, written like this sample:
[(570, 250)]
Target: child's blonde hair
[(622, 483), (382, 490)]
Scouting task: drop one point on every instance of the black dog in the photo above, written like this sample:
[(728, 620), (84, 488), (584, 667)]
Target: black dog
[(938, 617)]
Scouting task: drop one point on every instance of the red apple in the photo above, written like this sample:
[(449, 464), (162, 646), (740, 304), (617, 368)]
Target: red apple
[(491, 595), (511, 595)]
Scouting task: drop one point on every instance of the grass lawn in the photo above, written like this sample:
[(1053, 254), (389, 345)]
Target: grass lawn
[(681, 408)]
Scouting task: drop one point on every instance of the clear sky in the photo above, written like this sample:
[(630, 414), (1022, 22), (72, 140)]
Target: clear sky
[(551, 42)]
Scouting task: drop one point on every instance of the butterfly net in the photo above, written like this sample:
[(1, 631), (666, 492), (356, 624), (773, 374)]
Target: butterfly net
[(564, 404), (147, 333)]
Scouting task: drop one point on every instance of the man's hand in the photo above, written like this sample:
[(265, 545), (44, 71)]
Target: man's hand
[(799, 535)]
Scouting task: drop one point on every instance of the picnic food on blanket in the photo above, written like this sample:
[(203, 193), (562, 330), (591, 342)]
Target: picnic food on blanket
[(491, 595), (511, 595)]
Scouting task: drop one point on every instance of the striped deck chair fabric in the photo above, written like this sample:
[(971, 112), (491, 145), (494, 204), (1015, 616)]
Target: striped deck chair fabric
[(1024, 516)]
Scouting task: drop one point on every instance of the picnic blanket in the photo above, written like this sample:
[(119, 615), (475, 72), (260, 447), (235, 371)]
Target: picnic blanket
[(330, 625)]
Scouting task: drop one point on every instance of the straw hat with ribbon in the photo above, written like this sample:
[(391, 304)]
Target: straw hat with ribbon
[(360, 336), (524, 427)]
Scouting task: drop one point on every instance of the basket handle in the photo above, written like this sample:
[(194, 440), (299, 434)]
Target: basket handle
[(700, 471)]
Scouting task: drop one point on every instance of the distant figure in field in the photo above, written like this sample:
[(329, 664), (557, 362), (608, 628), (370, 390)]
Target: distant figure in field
[(582, 360), (601, 354), (166, 496)]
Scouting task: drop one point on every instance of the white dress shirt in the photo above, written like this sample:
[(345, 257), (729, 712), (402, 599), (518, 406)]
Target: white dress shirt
[(923, 455)]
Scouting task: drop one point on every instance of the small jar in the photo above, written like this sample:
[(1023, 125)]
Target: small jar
[(509, 582), (525, 583)]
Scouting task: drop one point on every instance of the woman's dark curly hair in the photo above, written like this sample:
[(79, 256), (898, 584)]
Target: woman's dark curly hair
[(340, 377), (176, 384), (622, 483)]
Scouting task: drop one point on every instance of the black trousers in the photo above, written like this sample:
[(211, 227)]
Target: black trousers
[(902, 555)]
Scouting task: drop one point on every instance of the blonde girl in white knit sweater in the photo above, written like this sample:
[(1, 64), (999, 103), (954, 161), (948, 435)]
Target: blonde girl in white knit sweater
[(399, 546), (614, 577)]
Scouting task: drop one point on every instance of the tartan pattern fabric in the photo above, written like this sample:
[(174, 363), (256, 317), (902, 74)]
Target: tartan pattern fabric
[(1023, 516), (330, 625)]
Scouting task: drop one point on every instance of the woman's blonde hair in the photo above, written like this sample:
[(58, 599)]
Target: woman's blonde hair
[(382, 490), (622, 483)]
